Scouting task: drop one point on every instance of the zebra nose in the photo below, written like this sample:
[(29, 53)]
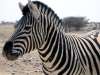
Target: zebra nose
[(8, 51), (7, 47)]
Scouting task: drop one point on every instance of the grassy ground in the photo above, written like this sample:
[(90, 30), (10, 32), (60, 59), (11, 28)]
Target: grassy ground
[(29, 64)]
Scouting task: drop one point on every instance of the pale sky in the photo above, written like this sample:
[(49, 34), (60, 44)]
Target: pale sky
[(9, 9)]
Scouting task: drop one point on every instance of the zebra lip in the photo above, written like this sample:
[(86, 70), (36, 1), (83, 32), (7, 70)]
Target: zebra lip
[(12, 55)]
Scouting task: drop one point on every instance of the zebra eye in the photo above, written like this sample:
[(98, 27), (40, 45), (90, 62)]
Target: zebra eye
[(27, 27)]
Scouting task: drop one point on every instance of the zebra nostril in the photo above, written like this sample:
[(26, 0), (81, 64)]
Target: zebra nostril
[(7, 47)]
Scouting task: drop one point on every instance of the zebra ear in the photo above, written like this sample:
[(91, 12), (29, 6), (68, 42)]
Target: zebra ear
[(21, 6), (33, 9)]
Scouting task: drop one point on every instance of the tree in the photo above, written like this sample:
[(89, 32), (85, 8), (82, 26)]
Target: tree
[(74, 23)]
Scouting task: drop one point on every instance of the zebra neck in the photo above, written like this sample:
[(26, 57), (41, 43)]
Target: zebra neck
[(53, 49), (56, 52), (47, 26)]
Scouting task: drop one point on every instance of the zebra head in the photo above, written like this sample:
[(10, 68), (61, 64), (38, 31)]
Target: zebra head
[(23, 39)]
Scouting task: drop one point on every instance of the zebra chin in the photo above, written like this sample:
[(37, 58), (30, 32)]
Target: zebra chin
[(12, 55)]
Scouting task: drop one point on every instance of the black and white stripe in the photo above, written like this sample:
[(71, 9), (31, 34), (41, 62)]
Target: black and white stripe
[(60, 54)]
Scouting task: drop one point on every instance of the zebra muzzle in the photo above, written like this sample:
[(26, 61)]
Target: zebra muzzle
[(8, 51), (12, 55)]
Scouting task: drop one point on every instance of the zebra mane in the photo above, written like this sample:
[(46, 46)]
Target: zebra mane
[(43, 9)]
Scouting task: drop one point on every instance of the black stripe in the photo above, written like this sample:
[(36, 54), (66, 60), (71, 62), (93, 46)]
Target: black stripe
[(94, 60), (74, 68), (30, 47), (48, 39), (68, 45), (98, 45), (22, 42), (52, 41), (59, 52), (84, 60), (63, 48), (54, 49), (89, 61), (79, 50)]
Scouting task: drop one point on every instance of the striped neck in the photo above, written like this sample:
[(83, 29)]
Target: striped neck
[(48, 23)]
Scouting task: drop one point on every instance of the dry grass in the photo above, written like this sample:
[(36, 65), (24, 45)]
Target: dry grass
[(29, 64)]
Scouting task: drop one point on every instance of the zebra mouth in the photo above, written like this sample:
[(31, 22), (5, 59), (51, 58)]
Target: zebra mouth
[(13, 55)]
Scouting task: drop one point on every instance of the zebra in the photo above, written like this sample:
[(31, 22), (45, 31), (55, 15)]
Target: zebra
[(92, 33), (40, 28)]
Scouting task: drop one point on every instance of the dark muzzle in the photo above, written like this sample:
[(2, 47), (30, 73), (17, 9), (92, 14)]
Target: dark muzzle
[(9, 52)]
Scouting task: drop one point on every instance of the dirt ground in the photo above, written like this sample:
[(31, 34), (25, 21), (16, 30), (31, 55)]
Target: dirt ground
[(29, 64)]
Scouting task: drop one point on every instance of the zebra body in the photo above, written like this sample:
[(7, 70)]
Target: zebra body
[(40, 28), (77, 56)]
